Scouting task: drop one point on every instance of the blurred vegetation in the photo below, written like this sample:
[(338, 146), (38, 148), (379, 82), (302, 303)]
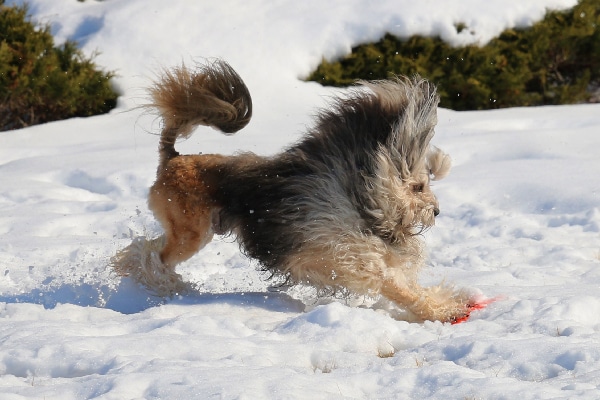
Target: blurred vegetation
[(556, 61), (40, 82)]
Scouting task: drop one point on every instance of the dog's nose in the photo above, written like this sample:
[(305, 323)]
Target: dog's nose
[(436, 212)]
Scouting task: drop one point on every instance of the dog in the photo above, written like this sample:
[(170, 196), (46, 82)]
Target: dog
[(342, 209)]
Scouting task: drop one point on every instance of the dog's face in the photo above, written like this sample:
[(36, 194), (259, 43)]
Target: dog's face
[(423, 206), (399, 193), (403, 202)]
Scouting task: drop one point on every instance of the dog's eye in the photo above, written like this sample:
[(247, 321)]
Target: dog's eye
[(418, 188)]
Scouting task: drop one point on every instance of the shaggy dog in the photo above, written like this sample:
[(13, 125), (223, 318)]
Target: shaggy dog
[(342, 209)]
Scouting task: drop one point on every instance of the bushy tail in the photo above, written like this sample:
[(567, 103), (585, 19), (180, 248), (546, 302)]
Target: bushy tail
[(212, 95)]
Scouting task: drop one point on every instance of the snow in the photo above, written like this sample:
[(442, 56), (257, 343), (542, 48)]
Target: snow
[(520, 223)]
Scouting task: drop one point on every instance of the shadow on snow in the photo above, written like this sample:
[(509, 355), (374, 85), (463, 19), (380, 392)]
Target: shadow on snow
[(128, 298)]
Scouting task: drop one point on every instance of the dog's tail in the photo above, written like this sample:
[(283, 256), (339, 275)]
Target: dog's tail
[(212, 95)]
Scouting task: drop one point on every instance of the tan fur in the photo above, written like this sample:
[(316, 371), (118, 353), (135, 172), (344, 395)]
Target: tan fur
[(182, 201)]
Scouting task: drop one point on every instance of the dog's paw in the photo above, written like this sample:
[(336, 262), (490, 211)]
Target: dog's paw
[(476, 304), (140, 261)]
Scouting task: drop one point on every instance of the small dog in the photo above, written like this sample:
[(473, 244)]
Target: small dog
[(342, 209)]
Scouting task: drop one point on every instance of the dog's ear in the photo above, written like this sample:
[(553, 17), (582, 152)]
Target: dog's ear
[(409, 104), (415, 103), (438, 163)]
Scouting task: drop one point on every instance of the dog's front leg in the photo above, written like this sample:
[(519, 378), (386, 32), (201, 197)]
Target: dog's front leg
[(439, 303)]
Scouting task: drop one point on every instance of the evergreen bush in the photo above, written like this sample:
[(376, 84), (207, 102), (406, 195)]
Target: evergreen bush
[(40, 82), (556, 61)]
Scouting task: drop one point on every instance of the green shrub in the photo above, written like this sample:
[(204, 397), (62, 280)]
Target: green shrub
[(41, 83), (557, 61)]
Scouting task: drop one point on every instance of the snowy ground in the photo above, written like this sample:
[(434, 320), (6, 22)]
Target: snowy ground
[(520, 221)]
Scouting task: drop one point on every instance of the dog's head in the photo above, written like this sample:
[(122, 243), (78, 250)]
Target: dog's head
[(399, 191)]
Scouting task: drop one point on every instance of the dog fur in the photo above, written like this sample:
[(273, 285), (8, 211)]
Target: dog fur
[(342, 209)]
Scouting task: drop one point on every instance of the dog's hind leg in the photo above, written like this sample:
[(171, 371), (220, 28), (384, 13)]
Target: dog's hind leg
[(182, 201), (152, 262), (185, 233)]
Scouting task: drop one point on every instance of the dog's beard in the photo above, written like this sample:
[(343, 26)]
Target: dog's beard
[(422, 219), (413, 223)]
